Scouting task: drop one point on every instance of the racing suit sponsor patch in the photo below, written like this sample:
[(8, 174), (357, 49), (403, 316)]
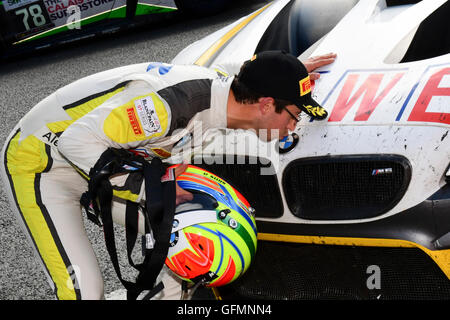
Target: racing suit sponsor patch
[(134, 121), (162, 153), (46, 136), (147, 115)]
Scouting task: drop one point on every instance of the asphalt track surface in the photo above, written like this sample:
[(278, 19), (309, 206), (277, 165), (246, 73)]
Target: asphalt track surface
[(26, 81)]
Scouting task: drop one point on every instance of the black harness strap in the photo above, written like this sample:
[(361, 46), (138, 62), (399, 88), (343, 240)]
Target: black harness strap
[(105, 198), (158, 212), (131, 229)]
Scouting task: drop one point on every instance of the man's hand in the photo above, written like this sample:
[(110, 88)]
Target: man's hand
[(313, 63), (182, 195)]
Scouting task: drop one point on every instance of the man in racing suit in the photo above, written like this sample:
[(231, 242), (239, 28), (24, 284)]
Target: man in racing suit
[(146, 107)]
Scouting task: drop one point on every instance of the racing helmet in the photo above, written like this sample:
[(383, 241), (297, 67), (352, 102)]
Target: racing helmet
[(213, 237)]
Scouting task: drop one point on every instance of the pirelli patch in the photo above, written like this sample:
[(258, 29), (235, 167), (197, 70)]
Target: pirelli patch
[(305, 86), (134, 121)]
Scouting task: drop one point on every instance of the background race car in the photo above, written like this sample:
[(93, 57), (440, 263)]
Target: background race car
[(34, 24)]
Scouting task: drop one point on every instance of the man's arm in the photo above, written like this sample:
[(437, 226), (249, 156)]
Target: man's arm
[(115, 124)]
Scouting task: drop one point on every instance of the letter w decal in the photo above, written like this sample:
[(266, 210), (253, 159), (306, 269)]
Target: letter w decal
[(367, 91)]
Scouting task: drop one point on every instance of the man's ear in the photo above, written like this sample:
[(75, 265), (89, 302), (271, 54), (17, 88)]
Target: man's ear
[(266, 104)]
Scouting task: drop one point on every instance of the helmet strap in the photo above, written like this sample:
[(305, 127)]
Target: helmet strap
[(159, 213)]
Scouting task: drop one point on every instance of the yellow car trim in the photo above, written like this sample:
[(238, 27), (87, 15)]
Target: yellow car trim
[(230, 34), (440, 257)]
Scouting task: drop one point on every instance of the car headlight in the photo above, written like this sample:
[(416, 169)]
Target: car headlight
[(447, 174)]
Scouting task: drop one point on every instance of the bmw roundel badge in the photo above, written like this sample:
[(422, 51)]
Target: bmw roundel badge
[(288, 143)]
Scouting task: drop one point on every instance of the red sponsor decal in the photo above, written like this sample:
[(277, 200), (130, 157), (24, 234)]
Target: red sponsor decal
[(430, 90), (134, 121), (58, 5), (367, 91), (366, 94)]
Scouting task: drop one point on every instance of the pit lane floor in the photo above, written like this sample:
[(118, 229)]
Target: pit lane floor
[(27, 80)]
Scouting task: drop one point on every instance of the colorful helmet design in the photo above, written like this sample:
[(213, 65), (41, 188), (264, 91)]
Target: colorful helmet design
[(214, 236)]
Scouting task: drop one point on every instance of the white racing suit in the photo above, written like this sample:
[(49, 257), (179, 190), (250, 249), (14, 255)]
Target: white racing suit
[(48, 155)]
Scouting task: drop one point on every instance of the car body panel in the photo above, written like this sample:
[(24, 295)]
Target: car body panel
[(377, 104), (383, 100)]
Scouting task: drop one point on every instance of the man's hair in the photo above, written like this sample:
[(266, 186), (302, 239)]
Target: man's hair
[(243, 94)]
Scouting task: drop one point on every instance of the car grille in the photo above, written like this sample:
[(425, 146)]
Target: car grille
[(291, 271), (244, 174), (345, 187)]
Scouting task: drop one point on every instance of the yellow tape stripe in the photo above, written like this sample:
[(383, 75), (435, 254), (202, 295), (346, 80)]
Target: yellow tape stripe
[(440, 257), (230, 34), (126, 195), (367, 242)]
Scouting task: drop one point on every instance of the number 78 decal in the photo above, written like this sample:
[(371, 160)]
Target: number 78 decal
[(35, 15), (35, 11)]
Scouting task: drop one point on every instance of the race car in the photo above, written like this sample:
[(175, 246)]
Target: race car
[(375, 175), (36, 24)]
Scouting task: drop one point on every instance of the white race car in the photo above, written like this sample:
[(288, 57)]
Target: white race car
[(376, 172)]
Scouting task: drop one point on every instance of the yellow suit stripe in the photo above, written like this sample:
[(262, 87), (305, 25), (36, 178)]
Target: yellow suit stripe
[(76, 111), (25, 164)]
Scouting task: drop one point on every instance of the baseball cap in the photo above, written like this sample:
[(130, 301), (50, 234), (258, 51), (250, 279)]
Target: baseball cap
[(281, 75)]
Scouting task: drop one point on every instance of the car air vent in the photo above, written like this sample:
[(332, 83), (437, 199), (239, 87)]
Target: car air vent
[(345, 187), (244, 174), (427, 43)]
